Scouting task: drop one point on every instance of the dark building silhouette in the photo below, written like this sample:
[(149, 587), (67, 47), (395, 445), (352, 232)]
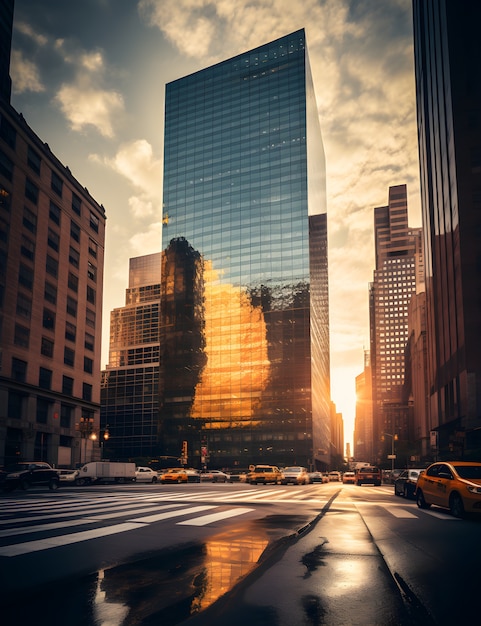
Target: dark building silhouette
[(447, 50)]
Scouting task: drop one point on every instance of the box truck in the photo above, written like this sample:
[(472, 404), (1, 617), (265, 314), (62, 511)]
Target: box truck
[(106, 471)]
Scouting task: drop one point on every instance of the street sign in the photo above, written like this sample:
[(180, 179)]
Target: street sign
[(391, 456)]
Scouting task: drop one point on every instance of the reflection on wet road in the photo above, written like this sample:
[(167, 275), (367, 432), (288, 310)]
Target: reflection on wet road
[(163, 588)]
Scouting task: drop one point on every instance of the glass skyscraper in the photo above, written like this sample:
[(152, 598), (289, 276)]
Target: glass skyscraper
[(244, 330)]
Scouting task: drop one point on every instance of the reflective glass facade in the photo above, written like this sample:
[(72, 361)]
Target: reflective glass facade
[(244, 329), (130, 384)]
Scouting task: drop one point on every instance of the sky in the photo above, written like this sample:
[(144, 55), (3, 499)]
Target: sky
[(89, 77)]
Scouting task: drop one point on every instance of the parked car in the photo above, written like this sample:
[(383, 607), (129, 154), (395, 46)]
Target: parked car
[(405, 483), (145, 475), (318, 477), (238, 475), (264, 474), (295, 475), (369, 476), (214, 476), (193, 475), (349, 478), (334, 476), (26, 474), (174, 475), (68, 476), (454, 485)]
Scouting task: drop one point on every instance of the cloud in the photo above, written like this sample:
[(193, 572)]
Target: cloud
[(84, 104), (147, 242), (25, 74), (136, 162), (26, 29)]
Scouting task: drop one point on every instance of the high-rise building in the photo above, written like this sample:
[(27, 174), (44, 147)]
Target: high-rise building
[(398, 263), (363, 437), (447, 50), (52, 236), (244, 334), (6, 24), (130, 383)]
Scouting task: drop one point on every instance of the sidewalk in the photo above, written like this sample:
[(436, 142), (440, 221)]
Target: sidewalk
[(330, 573)]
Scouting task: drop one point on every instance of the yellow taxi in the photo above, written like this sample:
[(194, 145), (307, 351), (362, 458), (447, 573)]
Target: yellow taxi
[(174, 475), (454, 485)]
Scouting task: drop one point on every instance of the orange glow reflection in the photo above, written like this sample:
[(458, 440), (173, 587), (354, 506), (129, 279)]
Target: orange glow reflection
[(228, 558), (237, 370)]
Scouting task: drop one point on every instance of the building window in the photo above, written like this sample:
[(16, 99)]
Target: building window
[(6, 166), (94, 222), (89, 343), (7, 132), (27, 248), (75, 231), (71, 306), (47, 347), (44, 378), (53, 240), (42, 410), (33, 160), (90, 295), (66, 412), (90, 318), (76, 204), (67, 385), (70, 332), (25, 276), (19, 370), (48, 319), (74, 257), (51, 266), (54, 213), (4, 230), (22, 336), (73, 282), (50, 293), (92, 272), (88, 365), (31, 191), (56, 184), (24, 305), (29, 220), (15, 404), (69, 356), (93, 248), (87, 392)]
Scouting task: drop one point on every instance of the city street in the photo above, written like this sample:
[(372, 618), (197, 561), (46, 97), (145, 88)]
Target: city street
[(157, 554)]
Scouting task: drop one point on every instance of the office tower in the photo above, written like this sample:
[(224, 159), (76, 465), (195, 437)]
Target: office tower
[(398, 261), (245, 328), (6, 24), (363, 437), (447, 50), (130, 383), (52, 236), (51, 277)]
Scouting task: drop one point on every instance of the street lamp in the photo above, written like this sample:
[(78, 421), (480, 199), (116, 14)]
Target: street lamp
[(391, 456), (102, 437)]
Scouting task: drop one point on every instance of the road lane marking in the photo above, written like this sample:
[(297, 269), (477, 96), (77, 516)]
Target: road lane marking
[(400, 513), (63, 540), (11, 532), (213, 517), (161, 516)]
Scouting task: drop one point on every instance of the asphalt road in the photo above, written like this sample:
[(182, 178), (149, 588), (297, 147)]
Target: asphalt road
[(216, 554)]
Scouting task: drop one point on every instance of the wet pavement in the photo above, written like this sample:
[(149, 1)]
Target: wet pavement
[(331, 573)]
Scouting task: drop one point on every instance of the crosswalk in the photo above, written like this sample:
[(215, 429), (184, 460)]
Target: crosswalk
[(60, 519), (67, 518)]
